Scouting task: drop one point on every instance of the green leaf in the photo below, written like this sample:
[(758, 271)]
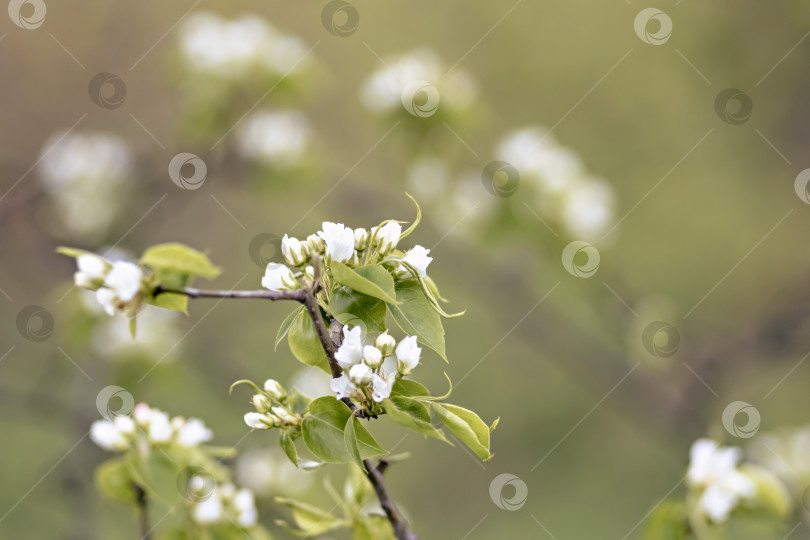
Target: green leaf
[(467, 426), (114, 481), (415, 316), (416, 221), (372, 280), (413, 415), (133, 326), (157, 475), (181, 259), (350, 307), (311, 520), (667, 522), (372, 527), (772, 496), (73, 252), (168, 300), (285, 325), (350, 440), (409, 388), (304, 342), (323, 428), (288, 445)]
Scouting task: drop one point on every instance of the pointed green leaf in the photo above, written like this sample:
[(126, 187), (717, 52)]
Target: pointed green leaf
[(467, 426), (323, 428), (372, 280), (310, 519), (350, 439), (413, 415), (416, 221), (372, 527), (133, 327), (181, 259), (285, 325), (409, 388), (73, 252), (288, 445), (351, 307), (304, 342), (172, 301), (415, 316)]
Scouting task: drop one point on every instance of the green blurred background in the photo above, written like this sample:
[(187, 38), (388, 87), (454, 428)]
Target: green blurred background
[(596, 426)]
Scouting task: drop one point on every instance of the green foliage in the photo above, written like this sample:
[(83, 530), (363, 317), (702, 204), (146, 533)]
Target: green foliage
[(415, 315), (412, 414), (467, 426), (114, 481), (180, 259), (667, 522), (323, 432), (351, 307), (372, 280), (304, 343)]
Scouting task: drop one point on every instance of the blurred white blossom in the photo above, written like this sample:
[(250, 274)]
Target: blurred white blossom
[(158, 335), (713, 469), (269, 472), (279, 138), (85, 176), (382, 90)]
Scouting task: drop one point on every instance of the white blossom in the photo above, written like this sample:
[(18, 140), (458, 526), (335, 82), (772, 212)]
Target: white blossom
[(342, 386), (714, 469), (381, 386), (417, 257), (360, 239), (408, 354), (160, 428), (91, 271), (284, 415), (262, 403), (193, 432), (387, 236), (121, 284), (385, 343), (278, 277), (279, 138), (108, 436), (350, 351), (339, 241), (245, 506), (295, 251), (208, 510)]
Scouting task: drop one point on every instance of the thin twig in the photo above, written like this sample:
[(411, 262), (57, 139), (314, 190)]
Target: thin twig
[(143, 514), (298, 295)]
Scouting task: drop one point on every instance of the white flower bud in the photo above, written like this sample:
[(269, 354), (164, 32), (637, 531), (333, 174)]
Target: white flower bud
[(141, 414), (408, 354), (208, 510), (387, 236), (417, 257), (350, 351), (315, 243), (245, 505), (295, 251), (277, 277), (121, 287), (193, 433), (385, 343), (372, 356), (284, 415), (108, 436), (309, 272), (258, 420), (160, 429), (360, 239), (360, 374), (92, 270), (274, 388), (262, 403)]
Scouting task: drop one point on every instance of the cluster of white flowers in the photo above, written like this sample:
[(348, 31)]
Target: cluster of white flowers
[(564, 190), (277, 138), (272, 409), (383, 89), (85, 178), (370, 370), (239, 47), (713, 470), (337, 242), (117, 284), (225, 504), (147, 427)]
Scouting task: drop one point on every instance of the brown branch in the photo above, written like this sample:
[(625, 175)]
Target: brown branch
[(298, 295), (375, 475), (143, 514)]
